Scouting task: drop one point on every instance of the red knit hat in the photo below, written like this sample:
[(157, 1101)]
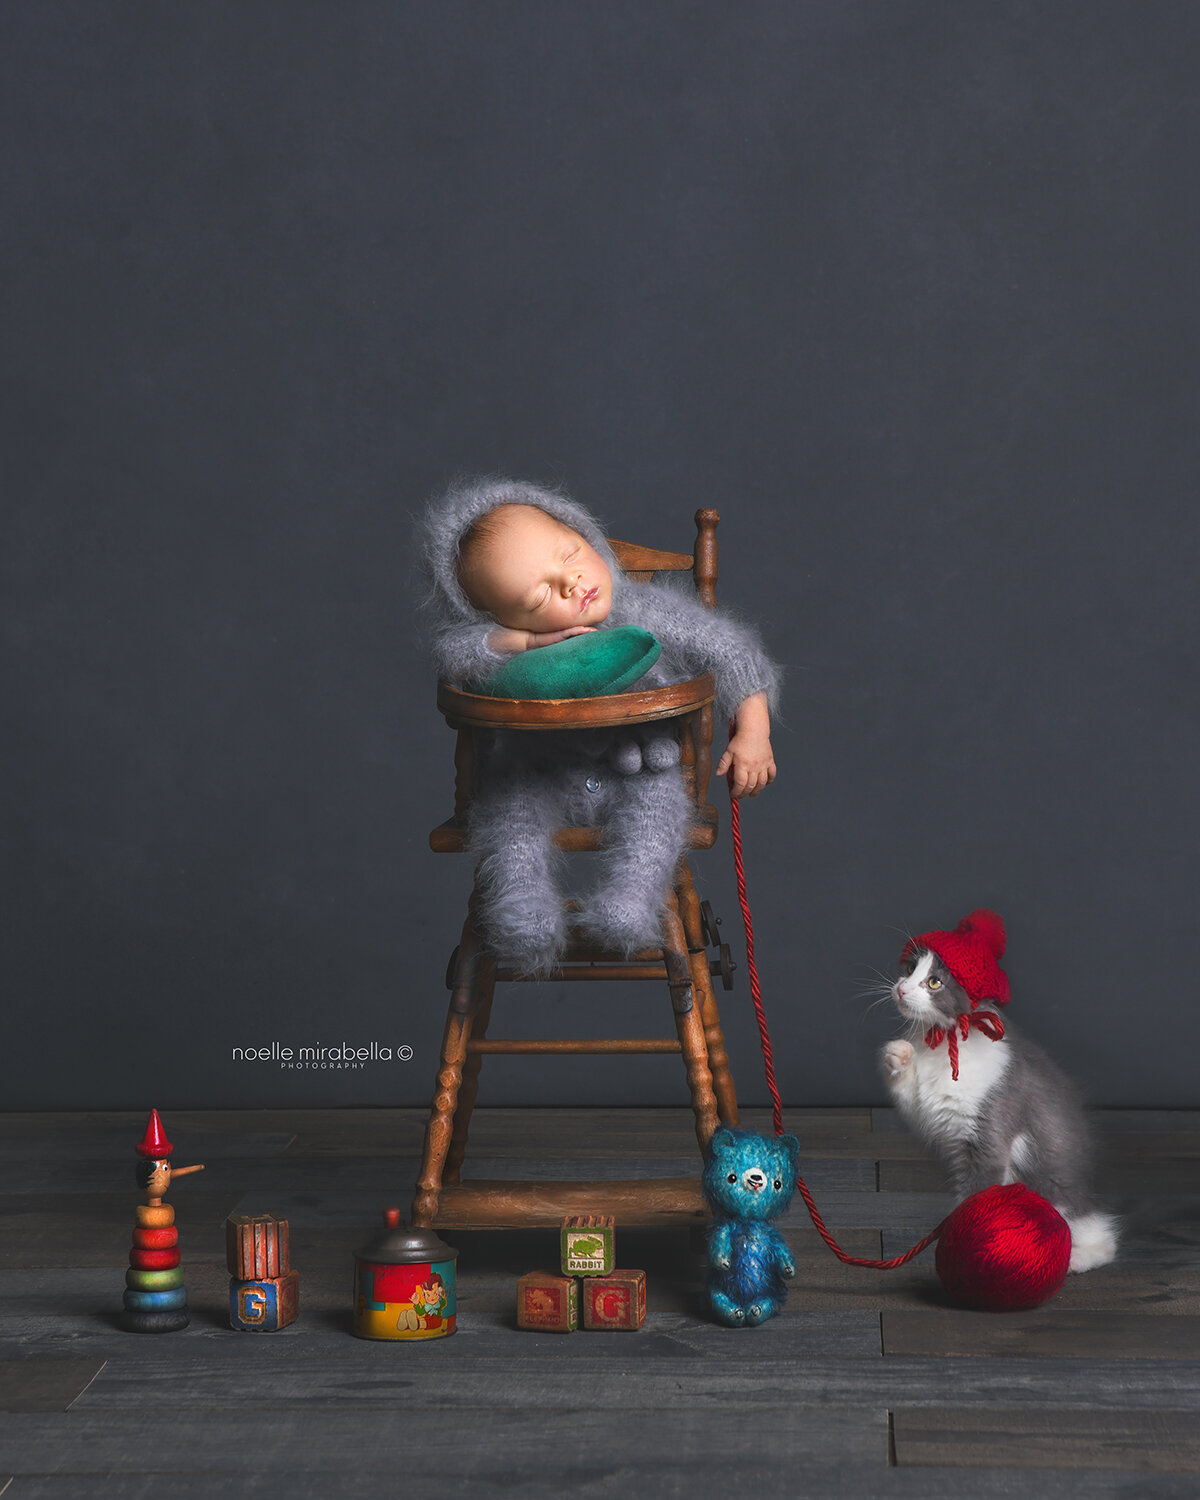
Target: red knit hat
[(970, 952)]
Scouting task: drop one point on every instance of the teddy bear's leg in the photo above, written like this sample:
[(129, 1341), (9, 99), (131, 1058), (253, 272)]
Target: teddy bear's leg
[(645, 823), (724, 1308), (512, 836), (759, 1311)]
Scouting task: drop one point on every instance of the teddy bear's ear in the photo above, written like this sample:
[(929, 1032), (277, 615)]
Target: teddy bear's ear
[(722, 1140), (791, 1146)]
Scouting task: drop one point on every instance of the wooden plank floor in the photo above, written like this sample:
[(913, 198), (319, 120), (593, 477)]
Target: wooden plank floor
[(869, 1384)]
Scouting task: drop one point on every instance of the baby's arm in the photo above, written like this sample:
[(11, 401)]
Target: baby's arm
[(471, 652), (749, 751), (504, 639), (746, 679)]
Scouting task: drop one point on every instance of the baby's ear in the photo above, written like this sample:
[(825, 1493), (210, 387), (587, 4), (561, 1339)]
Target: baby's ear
[(792, 1147)]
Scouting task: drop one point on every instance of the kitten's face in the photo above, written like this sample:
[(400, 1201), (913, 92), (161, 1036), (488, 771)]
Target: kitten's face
[(927, 993)]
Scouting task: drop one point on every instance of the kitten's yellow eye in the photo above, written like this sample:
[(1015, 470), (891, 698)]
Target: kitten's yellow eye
[(935, 984)]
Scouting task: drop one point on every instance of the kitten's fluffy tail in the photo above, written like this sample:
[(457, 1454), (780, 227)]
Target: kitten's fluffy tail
[(1093, 1240)]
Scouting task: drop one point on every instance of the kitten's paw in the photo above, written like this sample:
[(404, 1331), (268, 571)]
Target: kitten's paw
[(896, 1058), (1093, 1241)]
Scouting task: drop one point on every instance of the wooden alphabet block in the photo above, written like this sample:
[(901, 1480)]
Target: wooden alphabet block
[(588, 1245), (548, 1303), (264, 1304), (615, 1301), (256, 1246)]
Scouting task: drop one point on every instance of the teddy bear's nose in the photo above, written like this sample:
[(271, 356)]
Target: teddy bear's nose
[(755, 1180)]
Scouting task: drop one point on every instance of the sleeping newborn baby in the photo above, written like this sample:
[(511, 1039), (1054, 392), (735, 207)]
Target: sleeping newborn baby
[(515, 568)]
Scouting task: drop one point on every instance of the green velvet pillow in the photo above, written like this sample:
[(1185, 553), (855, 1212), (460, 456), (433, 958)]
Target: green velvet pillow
[(582, 666)]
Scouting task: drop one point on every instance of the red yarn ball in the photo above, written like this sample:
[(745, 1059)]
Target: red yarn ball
[(1004, 1248)]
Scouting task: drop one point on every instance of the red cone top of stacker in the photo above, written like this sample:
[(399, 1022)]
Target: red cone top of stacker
[(154, 1143)]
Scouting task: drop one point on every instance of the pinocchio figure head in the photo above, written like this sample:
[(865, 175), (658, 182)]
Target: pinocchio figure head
[(154, 1170)]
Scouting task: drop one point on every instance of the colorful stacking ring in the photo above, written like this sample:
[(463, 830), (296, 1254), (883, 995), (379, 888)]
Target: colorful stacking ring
[(156, 1301), (156, 1239), (155, 1216), (154, 1260), (154, 1281), (155, 1322)]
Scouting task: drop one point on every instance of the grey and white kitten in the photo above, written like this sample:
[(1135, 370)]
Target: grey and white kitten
[(1011, 1115)]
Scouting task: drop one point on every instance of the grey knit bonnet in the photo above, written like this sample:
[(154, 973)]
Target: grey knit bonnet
[(448, 518)]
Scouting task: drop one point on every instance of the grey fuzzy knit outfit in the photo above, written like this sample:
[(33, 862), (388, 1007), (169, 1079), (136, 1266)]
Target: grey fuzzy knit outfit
[(626, 782)]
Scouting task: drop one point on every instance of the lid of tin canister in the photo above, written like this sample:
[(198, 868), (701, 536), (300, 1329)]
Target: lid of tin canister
[(400, 1244)]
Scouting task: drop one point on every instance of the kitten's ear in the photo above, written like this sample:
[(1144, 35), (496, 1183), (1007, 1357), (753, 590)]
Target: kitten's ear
[(792, 1146)]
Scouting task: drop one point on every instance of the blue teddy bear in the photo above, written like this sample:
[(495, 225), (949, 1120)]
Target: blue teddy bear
[(748, 1181)]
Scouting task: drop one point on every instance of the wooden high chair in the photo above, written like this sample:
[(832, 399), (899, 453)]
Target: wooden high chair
[(682, 960)]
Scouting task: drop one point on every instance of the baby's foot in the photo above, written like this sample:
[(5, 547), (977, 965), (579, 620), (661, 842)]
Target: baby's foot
[(897, 1059), (661, 753), (627, 758), (621, 925), (530, 938)]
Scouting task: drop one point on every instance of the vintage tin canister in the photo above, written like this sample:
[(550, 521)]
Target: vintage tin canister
[(404, 1284)]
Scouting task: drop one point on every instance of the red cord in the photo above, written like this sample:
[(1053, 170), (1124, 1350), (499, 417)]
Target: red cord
[(735, 830), (987, 1021)]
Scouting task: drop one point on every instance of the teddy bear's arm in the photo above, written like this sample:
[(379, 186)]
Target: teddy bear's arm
[(720, 1247), (782, 1256)]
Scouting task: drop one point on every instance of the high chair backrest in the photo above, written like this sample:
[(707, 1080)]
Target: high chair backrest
[(641, 563)]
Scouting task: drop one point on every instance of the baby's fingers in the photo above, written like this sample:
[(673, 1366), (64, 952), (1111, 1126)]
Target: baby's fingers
[(763, 780)]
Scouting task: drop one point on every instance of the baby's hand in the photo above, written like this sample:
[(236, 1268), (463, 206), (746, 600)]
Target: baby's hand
[(753, 765), (749, 751), (502, 639)]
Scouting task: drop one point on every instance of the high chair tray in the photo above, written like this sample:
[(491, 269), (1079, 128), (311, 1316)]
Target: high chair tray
[(482, 712)]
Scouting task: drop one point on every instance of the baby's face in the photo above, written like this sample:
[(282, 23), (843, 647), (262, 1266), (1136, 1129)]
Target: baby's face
[(535, 573)]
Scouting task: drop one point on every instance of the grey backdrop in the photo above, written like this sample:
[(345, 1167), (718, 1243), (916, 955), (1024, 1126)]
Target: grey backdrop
[(907, 290)]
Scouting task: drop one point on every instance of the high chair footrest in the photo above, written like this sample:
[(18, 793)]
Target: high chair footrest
[(568, 1045), (643, 1203)]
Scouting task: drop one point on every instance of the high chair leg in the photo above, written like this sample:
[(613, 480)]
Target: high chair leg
[(464, 999), (718, 1057), (688, 1022), (484, 991)]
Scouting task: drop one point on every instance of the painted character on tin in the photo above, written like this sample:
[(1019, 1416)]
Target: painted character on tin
[(430, 1301)]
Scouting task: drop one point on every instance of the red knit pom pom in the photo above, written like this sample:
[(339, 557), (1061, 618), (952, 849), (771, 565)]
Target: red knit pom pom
[(1004, 1248), (989, 926)]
